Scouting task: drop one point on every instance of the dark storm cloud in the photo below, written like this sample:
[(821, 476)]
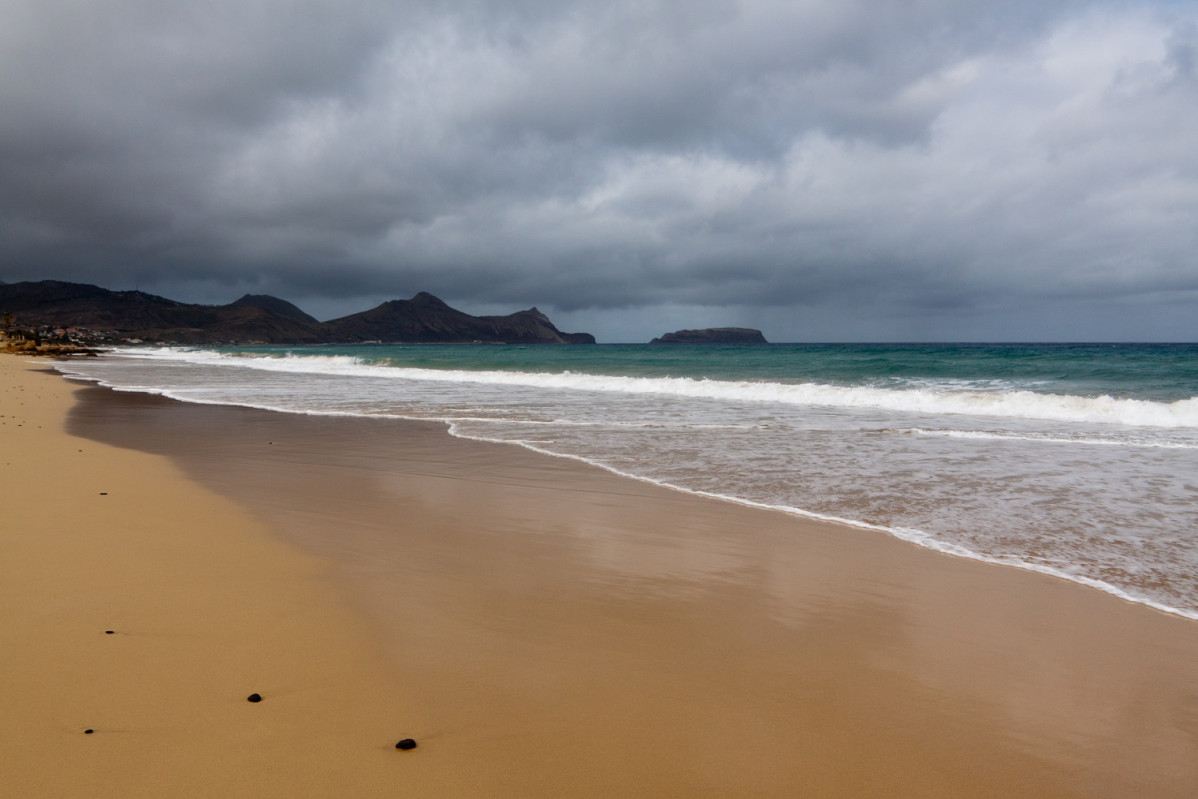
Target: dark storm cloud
[(944, 165)]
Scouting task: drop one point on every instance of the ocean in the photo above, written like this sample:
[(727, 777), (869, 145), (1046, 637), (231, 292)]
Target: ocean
[(1076, 460)]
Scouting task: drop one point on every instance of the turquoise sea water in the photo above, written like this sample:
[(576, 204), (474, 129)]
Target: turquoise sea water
[(1077, 460), (1165, 372)]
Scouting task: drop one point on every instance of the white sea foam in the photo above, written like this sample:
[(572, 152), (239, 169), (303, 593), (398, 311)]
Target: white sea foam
[(923, 398), (1041, 438)]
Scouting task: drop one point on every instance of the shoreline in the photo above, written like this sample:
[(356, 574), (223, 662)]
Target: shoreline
[(922, 540), (917, 538), (1030, 497), (552, 627)]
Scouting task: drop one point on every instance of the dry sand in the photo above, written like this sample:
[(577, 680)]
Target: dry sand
[(205, 608), (541, 627)]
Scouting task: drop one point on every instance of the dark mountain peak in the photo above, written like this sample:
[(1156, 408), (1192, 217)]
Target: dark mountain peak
[(425, 318), (274, 305), (426, 300), (136, 314)]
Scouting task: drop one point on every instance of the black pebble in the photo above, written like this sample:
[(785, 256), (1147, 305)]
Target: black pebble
[(109, 632), (406, 743), (103, 493), (88, 731), (254, 698)]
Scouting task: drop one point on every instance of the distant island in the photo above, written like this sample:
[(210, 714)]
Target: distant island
[(713, 335), (91, 315)]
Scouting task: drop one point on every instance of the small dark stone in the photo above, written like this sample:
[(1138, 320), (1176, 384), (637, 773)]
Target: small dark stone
[(254, 698), (109, 632), (103, 493), (405, 744), (88, 731)]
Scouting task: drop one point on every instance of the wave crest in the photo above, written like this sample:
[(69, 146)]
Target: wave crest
[(923, 398)]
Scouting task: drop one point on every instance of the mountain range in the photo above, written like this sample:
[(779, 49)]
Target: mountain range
[(262, 319)]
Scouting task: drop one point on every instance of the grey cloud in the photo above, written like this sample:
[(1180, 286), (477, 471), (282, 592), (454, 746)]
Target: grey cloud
[(730, 76), (926, 160)]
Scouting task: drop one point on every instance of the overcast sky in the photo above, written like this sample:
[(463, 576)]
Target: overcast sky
[(825, 170)]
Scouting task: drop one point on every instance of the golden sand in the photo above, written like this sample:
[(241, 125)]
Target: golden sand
[(205, 608), (541, 627)]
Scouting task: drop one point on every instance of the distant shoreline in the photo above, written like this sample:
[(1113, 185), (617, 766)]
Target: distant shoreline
[(51, 308)]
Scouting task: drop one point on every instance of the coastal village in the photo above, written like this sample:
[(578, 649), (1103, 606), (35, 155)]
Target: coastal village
[(54, 341)]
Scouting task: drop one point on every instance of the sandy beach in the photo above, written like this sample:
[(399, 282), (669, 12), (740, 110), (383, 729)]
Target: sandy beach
[(205, 608), (541, 628)]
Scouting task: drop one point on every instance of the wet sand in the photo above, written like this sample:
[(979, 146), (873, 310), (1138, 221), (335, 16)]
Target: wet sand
[(546, 628)]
